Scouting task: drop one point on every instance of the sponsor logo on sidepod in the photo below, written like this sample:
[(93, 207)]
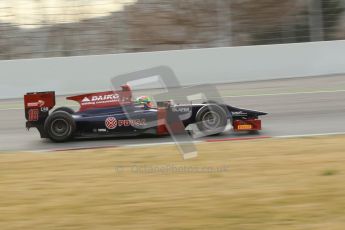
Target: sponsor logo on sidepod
[(102, 99), (112, 122)]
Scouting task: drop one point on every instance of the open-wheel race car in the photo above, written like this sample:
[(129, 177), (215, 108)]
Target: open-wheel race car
[(114, 114)]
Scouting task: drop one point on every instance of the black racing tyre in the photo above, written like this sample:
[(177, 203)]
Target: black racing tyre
[(60, 126), (211, 119), (65, 109)]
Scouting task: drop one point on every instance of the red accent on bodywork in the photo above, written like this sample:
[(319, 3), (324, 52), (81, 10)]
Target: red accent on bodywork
[(39, 100), (164, 118), (126, 88), (161, 119), (104, 99), (255, 124)]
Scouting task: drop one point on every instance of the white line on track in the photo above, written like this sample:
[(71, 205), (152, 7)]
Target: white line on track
[(8, 109), (310, 135), (292, 93), (157, 144), (234, 139)]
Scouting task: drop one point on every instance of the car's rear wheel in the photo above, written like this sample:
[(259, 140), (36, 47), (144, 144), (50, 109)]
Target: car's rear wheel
[(60, 126), (65, 109), (210, 102), (211, 119)]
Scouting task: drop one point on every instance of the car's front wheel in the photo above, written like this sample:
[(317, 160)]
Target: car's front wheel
[(211, 119), (60, 126)]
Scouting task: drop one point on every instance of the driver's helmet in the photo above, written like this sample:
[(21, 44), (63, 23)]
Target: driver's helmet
[(144, 100)]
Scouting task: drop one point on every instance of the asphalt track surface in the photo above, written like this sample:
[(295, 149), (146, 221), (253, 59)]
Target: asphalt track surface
[(296, 106)]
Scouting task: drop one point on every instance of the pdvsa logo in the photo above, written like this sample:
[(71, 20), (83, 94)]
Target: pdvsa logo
[(111, 123)]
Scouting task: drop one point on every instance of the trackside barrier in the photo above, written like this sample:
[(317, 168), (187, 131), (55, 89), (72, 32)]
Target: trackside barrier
[(68, 75)]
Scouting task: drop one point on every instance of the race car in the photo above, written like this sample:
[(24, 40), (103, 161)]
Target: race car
[(115, 114)]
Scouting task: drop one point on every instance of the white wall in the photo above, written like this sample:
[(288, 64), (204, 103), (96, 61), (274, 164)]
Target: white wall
[(89, 73)]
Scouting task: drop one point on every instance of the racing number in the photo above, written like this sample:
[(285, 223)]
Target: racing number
[(33, 115)]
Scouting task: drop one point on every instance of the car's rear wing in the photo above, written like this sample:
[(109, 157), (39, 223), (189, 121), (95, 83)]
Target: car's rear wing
[(38, 104)]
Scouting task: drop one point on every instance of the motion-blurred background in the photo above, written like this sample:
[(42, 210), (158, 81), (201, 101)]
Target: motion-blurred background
[(54, 28)]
